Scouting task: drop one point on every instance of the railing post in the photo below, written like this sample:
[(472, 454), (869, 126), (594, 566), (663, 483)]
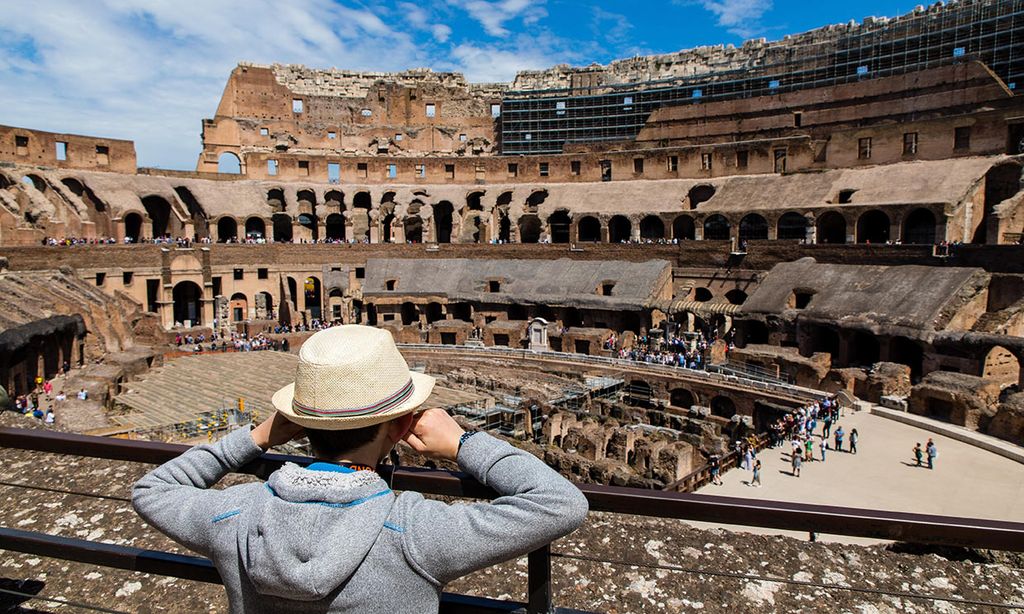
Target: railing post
[(539, 580)]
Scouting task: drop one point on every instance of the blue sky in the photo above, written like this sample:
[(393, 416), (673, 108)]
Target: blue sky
[(151, 70)]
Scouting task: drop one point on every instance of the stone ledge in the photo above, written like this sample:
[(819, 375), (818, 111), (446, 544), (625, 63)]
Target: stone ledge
[(979, 440)]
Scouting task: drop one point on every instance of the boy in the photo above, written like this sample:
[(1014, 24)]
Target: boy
[(331, 538)]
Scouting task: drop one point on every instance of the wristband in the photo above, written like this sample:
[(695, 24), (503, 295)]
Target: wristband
[(463, 438)]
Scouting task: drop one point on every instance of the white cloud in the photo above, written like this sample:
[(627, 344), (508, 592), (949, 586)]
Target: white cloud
[(420, 19), (740, 17), (149, 70), (492, 15)]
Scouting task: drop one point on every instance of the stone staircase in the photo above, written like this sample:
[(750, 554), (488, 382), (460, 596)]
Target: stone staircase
[(188, 386)]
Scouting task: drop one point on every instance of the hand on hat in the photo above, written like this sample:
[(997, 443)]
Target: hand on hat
[(435, 434), (275, 431)]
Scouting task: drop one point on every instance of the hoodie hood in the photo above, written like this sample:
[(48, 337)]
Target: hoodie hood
[(309, 530)]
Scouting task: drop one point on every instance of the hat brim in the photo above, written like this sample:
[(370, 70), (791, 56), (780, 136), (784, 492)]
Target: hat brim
[(423, 385)]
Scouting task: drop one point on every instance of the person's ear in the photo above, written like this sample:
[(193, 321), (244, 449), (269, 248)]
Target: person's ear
[(398, 427)]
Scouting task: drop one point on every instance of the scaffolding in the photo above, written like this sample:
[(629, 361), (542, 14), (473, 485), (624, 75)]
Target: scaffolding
[(989, 31), (209, 424)]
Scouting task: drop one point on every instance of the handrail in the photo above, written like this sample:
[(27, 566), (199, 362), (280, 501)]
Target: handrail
[(751, 384), (904, 526)]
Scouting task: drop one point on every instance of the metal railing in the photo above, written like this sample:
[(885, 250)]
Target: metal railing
[(827, 519)]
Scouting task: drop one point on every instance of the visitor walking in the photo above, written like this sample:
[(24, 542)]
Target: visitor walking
[(716, 470), (918, 453), (854, 436), (809, 450), (824, 446), (748, 459), (932, 452), (756, 480), (797, 461), (839, 439)]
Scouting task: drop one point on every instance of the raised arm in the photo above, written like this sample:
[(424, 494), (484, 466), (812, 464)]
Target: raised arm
[(536, 506)]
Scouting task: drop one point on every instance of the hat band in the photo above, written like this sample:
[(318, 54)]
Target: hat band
[(379, 407)]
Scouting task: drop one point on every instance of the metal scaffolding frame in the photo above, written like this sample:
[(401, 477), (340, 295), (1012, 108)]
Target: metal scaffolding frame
[(990, 31)]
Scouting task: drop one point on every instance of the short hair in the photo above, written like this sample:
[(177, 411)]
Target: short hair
[(332, 444)]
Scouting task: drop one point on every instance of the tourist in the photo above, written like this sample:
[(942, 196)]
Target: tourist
[(826, 428), (797, 461), (809, 450), (854, 436), (38, 413), (748, 459), (49, 416), (839, 439), (47, 388), (824, 446), (716, 470), (61, 396), (918, 453), (82, 395), (932, 453), (756, 480), (363, 545)]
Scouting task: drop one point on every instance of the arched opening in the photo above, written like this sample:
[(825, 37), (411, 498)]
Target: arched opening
[(723, 407), (683, 228), (227, 230), (873, 227), (831, 228), (200, 220), (282, 227), (434, 312), (386, 228), (753, 227), (229, 163), (559, 223), (681, 397), (702, 295), (736, 296), (413, 229), (133, 227), (619, 229), (588, 229), (335, 227), (159, 211), (864, 349), (919, 227), (443, 221), (1001, 366), (313, 297), (264, 306), (529, 229), (825, 340), (473, 201), (410, 313), (34, 181), (336, 303), (360, 220), (308, 221), (504, 227), (535, 200), (1001, 182), (255, 228), (792, 227), (907, 352), (275, 198), (716, 228), (699, 194), (334, 201), (188, 310), (652, 228), (293, 294), (238, 307)]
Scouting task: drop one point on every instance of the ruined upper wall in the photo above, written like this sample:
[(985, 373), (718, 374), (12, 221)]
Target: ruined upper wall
[(38, 147), (306, 81)]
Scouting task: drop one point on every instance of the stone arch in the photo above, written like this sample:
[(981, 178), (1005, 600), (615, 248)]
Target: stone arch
[(313, 296), (188, 307), (753, 227), (227, 229), (229, 163), (1002, 181), (830, 227), (919, 227), (309, 222), (443, 213), (792, 226), (873, 227), (238, 307), (255, 228), (267, 300), (559, 222), (535, 200), (1001, 365), (413, 226), (334, 200), (335, 227), (410, 313), (435, 312), (736, 296), (681, 397), (133, 226), (275, 198), (652, 228), (702, 295), (907, 352), (387, 228), (529, 229), (473, 201), (716, 228), (683, 228), (588, 229), (159, 211), (282, 223), (723, 407), (360, 216), (700, 193), (619, 229)]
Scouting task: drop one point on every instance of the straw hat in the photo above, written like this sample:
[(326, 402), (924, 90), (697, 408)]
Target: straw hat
[(349, 377)]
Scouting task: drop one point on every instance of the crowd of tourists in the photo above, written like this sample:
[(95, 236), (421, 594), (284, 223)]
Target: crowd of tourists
[(688, 353), (32, 404)]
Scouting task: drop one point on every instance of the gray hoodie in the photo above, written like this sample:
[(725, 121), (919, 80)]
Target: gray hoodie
[(329, 539)]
